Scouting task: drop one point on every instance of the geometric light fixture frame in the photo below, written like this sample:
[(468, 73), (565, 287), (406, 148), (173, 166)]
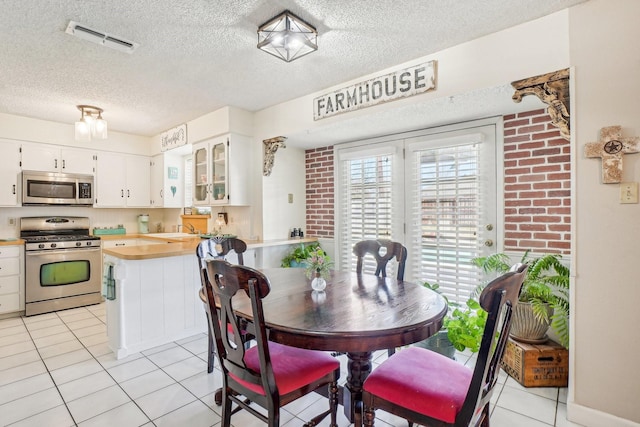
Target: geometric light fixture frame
[(287, 37)]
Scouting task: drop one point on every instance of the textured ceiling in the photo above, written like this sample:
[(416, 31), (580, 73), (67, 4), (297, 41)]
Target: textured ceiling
[(196, 56)]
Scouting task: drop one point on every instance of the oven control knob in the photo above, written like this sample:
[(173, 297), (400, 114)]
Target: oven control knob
[(78, 243), (40, 245), (53, 245)]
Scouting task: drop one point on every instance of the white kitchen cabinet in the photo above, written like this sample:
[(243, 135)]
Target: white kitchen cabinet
[(122, 180), (138, 181), (167, 181), (9, 173), (222, 170), (11, 282), (53, 158)]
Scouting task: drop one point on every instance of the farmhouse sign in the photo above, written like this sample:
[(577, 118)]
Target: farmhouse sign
[(173, 138), (389, 87)]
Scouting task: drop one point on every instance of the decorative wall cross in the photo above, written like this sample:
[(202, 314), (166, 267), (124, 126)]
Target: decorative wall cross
[(610, 148)]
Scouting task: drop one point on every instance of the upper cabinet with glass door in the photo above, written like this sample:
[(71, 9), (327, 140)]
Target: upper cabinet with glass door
[(219, 175)]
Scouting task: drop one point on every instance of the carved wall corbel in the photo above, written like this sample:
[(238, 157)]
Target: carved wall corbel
[(553, 90), (271, 145)]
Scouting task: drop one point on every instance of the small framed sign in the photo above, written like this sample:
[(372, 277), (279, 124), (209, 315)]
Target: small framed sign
[(176, 137), (172, 172), (188, 211)]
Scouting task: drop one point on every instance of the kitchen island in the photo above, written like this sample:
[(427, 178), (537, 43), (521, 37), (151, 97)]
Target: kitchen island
[(153, 290)]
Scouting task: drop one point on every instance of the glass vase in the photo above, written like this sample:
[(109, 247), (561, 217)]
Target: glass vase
[(318, 283)]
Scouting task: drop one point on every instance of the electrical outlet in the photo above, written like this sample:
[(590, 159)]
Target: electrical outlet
[(290, 197), (12, 222), (629, 192)]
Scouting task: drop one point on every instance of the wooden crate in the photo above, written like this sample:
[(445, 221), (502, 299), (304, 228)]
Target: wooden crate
[(537, 365)]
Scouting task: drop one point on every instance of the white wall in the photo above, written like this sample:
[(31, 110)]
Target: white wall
[(287, 177), (493, 60), (595, 37), (98, 217), (27, 129), (605, 343), (489, 61)]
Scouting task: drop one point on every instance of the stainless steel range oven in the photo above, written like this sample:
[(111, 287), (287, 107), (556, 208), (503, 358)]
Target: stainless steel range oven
[(62, 264)]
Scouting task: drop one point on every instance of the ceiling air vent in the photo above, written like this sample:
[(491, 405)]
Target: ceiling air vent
[(104, 39)]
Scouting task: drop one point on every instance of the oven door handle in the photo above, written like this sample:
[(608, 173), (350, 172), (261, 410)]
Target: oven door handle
[(65, 251)]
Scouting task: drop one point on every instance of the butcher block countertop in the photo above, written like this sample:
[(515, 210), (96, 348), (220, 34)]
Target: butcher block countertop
[(5, 242), (177, 245)]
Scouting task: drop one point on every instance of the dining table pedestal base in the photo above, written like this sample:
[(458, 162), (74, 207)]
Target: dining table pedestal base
[(359, 367)]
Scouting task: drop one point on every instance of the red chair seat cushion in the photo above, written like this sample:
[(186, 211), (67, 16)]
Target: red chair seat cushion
[(293, 368), (422, 381)]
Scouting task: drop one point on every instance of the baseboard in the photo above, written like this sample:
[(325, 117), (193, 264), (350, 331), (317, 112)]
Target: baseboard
[(590, 417)]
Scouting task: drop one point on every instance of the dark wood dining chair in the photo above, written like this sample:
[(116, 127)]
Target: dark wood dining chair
[(383, 251), (429, 389), (215, 248), (268, 374)]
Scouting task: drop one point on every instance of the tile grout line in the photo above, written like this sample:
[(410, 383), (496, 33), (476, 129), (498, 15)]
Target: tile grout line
[(49, 373), (176, 381), (94, 358), (107, 372)]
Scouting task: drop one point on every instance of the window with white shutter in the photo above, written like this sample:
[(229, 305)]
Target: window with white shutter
[(188, 181), (443, 189), (370, 200), (446, 213)]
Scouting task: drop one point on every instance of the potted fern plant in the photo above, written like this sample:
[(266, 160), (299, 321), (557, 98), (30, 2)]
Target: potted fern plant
[(544, 299)]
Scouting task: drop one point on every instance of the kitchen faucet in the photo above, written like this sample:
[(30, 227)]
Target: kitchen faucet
[(190, 227)]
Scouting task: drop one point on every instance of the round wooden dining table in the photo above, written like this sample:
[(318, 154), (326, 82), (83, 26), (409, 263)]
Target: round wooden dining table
[(355, 314)]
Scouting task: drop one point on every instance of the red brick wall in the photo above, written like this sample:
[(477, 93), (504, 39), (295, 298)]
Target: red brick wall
[(320, 201), (537, 184)]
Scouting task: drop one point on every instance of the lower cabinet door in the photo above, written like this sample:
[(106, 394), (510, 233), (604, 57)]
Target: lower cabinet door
[(9, 303)]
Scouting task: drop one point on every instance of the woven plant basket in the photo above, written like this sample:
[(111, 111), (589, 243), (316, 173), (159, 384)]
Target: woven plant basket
[(526, 327)]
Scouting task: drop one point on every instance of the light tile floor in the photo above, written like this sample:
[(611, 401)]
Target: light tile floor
[(57, 370)]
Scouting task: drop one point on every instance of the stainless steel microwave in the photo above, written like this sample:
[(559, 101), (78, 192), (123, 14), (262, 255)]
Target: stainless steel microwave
[(52, 188)]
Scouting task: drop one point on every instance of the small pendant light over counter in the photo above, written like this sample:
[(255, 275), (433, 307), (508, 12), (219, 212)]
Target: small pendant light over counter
[(91, 124)]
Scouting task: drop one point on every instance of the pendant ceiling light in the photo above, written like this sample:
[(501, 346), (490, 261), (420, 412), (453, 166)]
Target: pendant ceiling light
[(91, 124), (287, 37)]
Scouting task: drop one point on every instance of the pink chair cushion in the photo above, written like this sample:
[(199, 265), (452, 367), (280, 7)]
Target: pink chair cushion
[(422, 381), (293, 367)]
